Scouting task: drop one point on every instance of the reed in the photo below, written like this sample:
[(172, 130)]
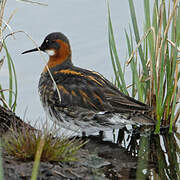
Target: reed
[(153, 59), (12, 89)]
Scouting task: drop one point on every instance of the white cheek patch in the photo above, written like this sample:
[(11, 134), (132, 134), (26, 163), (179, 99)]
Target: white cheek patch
[(50, 52)]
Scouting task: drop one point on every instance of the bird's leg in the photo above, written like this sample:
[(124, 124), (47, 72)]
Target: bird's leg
[(83, 134), (101, 135)]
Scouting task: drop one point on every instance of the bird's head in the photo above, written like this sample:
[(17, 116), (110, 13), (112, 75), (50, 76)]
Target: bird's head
[(57, 46)]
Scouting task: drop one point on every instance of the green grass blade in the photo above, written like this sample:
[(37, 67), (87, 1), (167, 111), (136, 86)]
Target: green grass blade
[(164, 17), (137, 36), (37, 160), (2, 93), (150, 38), (134, 68), (16, 88), (130, 48), (155, 17), (114, 68), (178, 26), (161, 83), (147, 14), (113, 51), (172, 111), (12, 78), (172, 81)]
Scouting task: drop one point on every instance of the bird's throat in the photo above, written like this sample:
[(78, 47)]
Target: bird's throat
[(55, 62)]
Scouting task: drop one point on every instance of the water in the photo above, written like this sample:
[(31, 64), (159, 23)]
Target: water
[(158, 156), (85, 23)]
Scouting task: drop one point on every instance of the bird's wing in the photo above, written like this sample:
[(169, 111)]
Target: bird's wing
[(89, 89), (82, 89)]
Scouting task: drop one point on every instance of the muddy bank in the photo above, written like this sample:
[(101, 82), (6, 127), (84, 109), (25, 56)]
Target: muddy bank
[(96, 160), (137, 151)]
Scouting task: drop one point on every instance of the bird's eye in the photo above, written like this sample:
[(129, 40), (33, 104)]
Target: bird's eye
[(47, 41)]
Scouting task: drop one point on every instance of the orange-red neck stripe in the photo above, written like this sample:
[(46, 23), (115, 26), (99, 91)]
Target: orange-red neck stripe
[(61, 55)]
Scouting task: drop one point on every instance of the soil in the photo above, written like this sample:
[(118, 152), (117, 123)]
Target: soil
[(96, 160)]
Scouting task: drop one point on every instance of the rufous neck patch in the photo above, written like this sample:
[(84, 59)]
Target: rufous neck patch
[(60, 55)]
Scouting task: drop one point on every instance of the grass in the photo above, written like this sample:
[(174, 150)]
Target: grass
[(34, 145), (37, 159), (12, 89), (29, 145), (153, 59)]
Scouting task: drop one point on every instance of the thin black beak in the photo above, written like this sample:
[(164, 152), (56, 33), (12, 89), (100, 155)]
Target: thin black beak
[(31, 50)]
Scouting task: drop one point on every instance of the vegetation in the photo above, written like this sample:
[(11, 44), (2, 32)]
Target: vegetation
[(153, 59), (12, 96), (27, 144), (35, 145)]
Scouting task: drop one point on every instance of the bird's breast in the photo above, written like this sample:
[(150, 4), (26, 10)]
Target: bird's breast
[(46, 90)]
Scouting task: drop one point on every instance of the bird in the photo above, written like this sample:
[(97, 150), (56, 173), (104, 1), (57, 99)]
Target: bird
[(83, 100)]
